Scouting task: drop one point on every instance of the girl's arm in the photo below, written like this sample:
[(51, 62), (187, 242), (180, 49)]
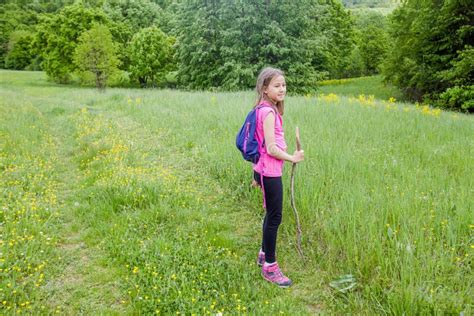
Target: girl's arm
[(272, 148)]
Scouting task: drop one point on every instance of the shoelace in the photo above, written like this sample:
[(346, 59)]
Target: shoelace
[(278, 273)]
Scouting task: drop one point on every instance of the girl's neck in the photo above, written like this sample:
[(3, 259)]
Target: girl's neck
[(269, 101)]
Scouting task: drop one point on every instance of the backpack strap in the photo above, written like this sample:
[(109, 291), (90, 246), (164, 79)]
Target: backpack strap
[(274, 113), (262, 186)]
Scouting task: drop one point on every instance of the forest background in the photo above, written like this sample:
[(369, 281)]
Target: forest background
[(423, 47)]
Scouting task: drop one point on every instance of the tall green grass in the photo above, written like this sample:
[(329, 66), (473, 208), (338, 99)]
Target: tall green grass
[(29, 204), (153, 184), (353, 87)]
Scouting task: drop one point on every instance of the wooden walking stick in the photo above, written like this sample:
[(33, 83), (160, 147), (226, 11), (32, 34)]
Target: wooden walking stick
[(292, 186)]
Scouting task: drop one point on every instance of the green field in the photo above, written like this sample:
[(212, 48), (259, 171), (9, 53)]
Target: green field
[(136, 201), (353, 87)]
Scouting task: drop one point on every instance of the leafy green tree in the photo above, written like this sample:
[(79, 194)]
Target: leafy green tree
[(336, 29), (373, 47), (96, 55), (461, 75), (428, 40), (462, 71), (356, 67), (13, 18), (151, 56), (41, 6), (129, 17), (57, 37), (23, 15), (199, 44), (284, 40), (225, 43), (371, 41), (137, 13), (19, 54)]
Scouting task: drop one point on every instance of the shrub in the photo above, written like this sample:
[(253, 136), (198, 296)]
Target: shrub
[(151, 56), (19, 54), (458, 97), (96, 55)]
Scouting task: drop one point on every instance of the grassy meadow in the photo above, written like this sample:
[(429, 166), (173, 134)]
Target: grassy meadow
[(136, 201), (353, 87)]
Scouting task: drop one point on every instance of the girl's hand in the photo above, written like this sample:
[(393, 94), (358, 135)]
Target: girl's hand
[(297, 156)]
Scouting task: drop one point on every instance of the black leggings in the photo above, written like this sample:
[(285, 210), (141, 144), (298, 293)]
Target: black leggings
[(273, 190)]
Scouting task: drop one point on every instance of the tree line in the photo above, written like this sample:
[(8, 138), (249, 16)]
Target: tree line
[(431, 54), (218, 44)]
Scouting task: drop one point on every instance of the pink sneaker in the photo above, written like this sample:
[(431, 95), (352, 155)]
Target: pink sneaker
[(260, 258), (272, 273)]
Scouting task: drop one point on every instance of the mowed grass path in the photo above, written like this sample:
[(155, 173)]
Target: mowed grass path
[(136, 201)]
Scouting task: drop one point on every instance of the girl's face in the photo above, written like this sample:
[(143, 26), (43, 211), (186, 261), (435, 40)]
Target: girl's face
[(276, 89)]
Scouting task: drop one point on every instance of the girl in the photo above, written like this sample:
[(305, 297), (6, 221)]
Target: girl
[(271, 91)]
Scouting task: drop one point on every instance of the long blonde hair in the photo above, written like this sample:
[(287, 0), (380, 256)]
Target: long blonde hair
[(263, 80)]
